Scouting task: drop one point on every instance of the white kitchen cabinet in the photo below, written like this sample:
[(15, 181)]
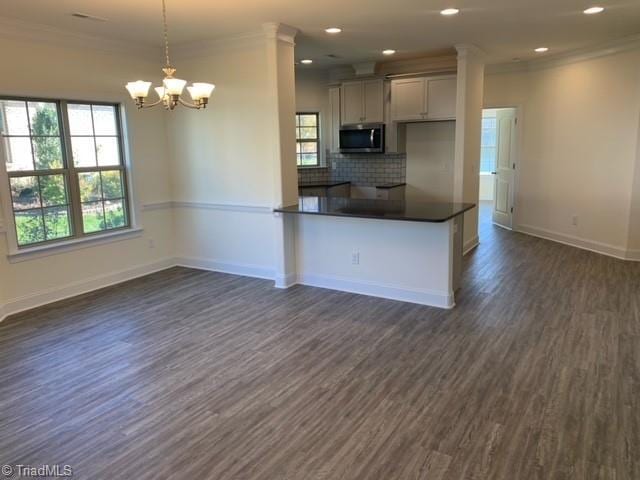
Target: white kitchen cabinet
[(408, 100), (441, 98), (333, 126), (373, 101), (423, 99), (362, 102)]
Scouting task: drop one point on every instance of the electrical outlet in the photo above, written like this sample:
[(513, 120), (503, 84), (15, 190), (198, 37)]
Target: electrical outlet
[(574, 220), (355, 258)]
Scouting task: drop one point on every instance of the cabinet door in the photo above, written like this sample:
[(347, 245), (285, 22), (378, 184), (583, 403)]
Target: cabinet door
[(352, 102), (408, 99), (334, 120), (373, 101), (441, 98)]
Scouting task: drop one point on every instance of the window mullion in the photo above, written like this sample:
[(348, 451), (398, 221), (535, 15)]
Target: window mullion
[(72, 177)]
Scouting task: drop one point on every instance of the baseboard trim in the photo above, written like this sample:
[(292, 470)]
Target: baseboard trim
[(633, 255), (373, 289), (470, 245), (246, 270), (73, 289), (286, 281), (573, 241)]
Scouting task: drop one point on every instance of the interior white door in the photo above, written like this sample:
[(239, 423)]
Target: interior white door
[(505, 167)]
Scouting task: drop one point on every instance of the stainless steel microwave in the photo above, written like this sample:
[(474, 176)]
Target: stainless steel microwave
[(367, 138)]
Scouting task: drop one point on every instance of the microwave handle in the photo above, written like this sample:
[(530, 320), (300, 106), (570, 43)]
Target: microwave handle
[(371, 137)]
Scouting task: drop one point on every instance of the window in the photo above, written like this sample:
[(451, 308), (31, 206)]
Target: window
[(65, 170), (488, 145), (308, 139)]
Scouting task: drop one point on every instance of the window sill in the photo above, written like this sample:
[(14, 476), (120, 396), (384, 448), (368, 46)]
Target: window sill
[(312, 167), (32, 253)]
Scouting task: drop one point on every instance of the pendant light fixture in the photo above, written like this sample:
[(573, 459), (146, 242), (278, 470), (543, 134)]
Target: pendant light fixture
[(170, 93)]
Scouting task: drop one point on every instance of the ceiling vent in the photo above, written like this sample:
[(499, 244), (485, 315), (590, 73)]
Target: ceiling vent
[(86, 16)]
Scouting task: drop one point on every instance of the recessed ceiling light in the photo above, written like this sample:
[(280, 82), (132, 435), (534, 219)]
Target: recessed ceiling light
[(333, 30), (541, 49), (593, 10), (449, 11), (306, 61), (388, 52)]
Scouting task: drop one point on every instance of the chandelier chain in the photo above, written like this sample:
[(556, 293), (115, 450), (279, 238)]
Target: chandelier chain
[(166, 33)]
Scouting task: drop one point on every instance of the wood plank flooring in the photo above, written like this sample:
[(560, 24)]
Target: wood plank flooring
[(186, 374)]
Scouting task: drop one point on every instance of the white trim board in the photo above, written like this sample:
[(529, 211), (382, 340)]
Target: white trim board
[(620, 253), (374, 289), (470, 244), (13, 29), (55, 294), (246, 270), (602, 49), (232, 207)]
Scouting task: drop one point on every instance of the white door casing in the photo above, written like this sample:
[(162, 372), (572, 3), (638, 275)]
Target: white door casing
[(504, 174)]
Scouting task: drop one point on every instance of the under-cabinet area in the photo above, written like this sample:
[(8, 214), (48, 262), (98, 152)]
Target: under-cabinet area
[(380, 131)]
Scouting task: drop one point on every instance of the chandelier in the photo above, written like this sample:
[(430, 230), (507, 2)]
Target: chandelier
[(171, 90)]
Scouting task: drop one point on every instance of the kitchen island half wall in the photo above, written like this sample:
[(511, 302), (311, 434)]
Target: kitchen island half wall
[(408, 251)]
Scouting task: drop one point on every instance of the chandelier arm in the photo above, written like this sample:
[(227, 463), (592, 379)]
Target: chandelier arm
[(150, 105), (189, 105)]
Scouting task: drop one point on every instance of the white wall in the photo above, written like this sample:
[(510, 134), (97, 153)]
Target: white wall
[(466, 180), (579, 136), (42, 69), (430, 161), (419, 267), (312, 95), (236, 161)]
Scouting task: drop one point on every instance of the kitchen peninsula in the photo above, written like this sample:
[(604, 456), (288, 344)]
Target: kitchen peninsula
[(403, 250)]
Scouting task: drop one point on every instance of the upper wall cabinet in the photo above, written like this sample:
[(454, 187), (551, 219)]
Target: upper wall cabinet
[(362, 102), (334, 120), (423, 99)]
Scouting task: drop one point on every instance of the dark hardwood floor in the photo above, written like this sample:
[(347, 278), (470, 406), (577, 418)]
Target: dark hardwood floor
[(189, 374)]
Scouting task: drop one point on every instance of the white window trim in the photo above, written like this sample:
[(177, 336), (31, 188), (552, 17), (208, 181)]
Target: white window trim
[(7, 223), (322, 161), (40, 251)]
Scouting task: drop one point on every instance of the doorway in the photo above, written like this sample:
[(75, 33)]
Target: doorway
[(498, 164)]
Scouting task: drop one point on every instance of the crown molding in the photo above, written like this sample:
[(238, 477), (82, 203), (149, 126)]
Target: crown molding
[(12, 29), (280, 31), (469, 51), (433, 64), (211, 47), (592, 52)]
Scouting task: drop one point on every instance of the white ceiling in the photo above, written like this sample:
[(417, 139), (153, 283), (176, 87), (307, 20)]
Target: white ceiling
[(503, 28)]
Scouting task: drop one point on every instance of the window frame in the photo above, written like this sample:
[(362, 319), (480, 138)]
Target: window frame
[(483, 145), (70, 173), (317, 141)]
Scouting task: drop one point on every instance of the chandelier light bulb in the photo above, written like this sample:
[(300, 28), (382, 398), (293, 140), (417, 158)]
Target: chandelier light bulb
[(174, 86), (198, 90), (138, 89)]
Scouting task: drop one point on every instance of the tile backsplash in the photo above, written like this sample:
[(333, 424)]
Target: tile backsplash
[(366, 170)]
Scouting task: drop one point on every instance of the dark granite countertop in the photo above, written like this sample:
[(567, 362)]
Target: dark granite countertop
[(322, 184), (407, 210), (387, 186)]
